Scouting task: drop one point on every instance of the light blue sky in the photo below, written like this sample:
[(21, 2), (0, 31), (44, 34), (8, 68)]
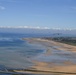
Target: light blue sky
[(43, 13)]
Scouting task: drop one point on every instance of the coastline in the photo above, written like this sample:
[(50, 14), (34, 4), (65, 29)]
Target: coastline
[(43, 67), (52, 43)]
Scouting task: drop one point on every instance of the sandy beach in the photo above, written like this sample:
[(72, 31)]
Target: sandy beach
[(45, 64)]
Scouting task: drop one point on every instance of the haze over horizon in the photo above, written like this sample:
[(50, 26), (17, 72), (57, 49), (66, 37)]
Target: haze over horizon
[(38, 13), (36, 27)]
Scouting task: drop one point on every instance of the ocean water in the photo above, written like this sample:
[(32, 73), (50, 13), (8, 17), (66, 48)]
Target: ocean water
[(16, 53)]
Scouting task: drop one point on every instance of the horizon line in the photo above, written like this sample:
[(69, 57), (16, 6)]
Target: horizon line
[(37, 27)]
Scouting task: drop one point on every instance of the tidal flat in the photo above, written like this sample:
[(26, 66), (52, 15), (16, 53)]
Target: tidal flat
[(39, 56), (58, 58)]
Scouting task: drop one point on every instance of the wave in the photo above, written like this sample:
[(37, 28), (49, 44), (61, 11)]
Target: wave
[(9, 39), (5, 39)]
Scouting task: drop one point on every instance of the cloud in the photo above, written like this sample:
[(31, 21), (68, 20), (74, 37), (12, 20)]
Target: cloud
[(2, 7), (37, 27), (29, 27)]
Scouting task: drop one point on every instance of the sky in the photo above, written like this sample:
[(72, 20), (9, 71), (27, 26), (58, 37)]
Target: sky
[(42, 13)]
